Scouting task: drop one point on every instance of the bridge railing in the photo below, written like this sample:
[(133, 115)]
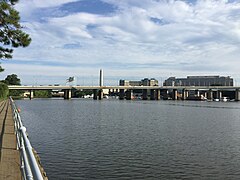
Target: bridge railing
[(29, 165)]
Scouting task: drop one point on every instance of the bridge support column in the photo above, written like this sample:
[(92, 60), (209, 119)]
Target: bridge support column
[(144, 94), (210, 94), (31, 95), (121, 94), (157, 93), (237, 95), (95, 91), (165, 94), (205, 94), (184, 94), (129, 94), (197, 92), (174, 94), (100, 94), (219, 94), (152, 94), (67, 94)]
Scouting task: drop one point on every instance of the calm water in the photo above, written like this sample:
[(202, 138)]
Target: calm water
[(112, 139)]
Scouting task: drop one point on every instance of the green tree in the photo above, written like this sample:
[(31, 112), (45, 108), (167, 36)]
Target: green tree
[(3, 90), (12, 80), (11, 35)]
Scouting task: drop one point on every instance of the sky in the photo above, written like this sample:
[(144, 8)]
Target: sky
[(128, 39)]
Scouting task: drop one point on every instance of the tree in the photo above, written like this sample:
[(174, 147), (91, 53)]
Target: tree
[(3, 90), (11, 35), (12, 80)]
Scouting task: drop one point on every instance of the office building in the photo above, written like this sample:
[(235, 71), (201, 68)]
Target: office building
[(143, 82), (199, 81)]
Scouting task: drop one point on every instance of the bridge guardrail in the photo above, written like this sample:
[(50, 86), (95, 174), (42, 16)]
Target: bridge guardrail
[(29, 166)]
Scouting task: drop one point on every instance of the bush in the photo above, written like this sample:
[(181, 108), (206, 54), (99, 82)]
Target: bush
[(3, 90)]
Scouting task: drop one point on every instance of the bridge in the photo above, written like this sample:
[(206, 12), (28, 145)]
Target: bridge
[(126, 91)]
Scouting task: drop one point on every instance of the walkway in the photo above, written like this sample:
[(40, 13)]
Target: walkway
[(9, 155)]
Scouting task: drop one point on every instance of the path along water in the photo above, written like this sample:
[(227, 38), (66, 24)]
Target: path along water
[(9, 155)]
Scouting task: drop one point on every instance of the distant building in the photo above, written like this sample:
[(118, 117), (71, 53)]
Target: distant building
[(143, 82), (199, 81)]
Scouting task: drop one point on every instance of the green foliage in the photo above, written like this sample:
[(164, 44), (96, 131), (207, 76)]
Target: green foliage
[(42, 94), (15, 93), (11, 35), (81, 93), (3, 90), (12, 80)]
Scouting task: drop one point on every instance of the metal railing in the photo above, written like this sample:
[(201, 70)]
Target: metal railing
[(29, 165)]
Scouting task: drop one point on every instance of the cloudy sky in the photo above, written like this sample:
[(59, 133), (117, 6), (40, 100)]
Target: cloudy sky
[(128, 39)]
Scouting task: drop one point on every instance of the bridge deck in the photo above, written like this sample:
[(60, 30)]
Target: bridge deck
[(9, 155)]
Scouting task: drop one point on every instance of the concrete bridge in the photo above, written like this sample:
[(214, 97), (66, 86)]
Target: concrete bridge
[(126, 91)]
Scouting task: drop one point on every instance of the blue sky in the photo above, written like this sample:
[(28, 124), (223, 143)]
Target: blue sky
[(128, 39)]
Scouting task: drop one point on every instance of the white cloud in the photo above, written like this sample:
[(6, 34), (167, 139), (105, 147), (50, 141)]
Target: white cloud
[(43, 3), (185, 38)]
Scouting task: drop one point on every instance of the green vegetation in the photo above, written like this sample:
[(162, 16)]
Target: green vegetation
[(11, 35), (81, 93), (3, 91), (13, 80), (42, 94)]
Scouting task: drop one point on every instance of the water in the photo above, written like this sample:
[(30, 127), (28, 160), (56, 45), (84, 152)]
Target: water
[(112, 139)]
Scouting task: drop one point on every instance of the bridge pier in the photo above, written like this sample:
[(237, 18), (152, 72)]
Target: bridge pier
[(184, 94), (219, 94), (144, 94), (152, 94), (95, 94), (165, 94), (100, 94), (121, 94), (174, 94), (205, 94), (129, 94), (31, 95), (237, 95), (67, 94), (210, 94), (197, 92), (157, 94)]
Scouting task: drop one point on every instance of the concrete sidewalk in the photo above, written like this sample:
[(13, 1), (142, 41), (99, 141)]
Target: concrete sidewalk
[(9, 155)]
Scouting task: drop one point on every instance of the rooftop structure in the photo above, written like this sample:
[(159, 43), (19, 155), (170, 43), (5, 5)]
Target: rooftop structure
[(143, 82), (199, 81)]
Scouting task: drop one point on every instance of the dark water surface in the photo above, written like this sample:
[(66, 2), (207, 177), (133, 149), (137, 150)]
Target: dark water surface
[(112, 139)]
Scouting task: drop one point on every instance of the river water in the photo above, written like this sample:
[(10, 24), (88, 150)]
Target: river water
[(113, 139)]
